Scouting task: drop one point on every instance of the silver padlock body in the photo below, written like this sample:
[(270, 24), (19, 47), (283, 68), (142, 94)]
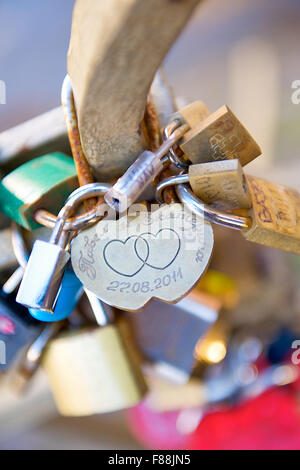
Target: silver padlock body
[(41, 283), (167, 334), (130, 186)]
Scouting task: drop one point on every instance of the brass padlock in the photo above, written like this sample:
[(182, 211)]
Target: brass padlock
[(92, 371), (192, 114), (273, 220), (275, 215), (218, 137), (148, 165), (222, 184)]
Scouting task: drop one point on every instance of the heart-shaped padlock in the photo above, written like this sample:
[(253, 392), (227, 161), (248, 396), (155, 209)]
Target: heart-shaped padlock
[(159, 254)]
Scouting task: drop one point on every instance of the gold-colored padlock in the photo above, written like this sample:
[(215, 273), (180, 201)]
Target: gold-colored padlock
[(275, 215), (219, 136), (192, 114), (92, 371), (222, 184), (273, 220)]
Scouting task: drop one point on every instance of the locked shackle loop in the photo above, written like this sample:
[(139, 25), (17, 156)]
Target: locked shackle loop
[(74, 200), (19, 245), (178, 130), (202, 210), (39, 288), (168, 132), (47, 219), (32, 359), (21, 255)]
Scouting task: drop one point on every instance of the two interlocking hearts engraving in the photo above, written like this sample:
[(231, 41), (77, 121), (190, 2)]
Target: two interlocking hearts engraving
[(145, 252), (135, 259)]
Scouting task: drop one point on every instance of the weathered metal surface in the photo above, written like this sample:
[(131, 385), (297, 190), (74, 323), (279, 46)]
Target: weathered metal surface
[(115, 49)]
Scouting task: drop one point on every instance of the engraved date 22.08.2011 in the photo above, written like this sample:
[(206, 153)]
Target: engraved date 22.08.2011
[(146, 286)]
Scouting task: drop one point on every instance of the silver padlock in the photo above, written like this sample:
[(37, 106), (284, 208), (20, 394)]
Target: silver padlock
[(41, 283)]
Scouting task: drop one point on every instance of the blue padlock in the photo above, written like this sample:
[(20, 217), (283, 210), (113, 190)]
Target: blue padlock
[(70, 293), (71, 288)]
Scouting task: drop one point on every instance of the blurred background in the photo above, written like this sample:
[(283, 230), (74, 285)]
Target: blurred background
[(240, 53)]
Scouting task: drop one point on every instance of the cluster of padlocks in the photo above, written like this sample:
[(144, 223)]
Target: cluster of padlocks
[(109, 254)]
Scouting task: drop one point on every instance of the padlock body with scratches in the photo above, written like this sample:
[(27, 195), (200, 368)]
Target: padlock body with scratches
[(221, 184), (42, 183), (91, 372), (275, 215), (167, 334), (218, 137)]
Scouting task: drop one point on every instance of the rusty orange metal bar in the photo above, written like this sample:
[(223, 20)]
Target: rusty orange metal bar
[(82, 167)]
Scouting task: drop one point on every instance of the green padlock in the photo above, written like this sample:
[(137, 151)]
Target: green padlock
[(42, 183)]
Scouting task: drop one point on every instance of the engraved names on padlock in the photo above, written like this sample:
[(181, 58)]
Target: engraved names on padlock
[(276, 215), (159, 254), (221, 184)]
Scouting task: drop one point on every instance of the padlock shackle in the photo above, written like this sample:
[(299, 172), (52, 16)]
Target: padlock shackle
[(178, 132), (78, 222), (102, 316), (168, 132), (167, 182), (34, 353), (19, 245), (74, 200), (21, 255), (208, 213), (196, 206)]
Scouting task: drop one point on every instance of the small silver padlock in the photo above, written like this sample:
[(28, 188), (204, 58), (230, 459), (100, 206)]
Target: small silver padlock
[(42, 279)]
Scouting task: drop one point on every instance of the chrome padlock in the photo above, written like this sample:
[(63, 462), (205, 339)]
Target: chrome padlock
[(42, 279), (92, 370), (167, 335), (71, 288)]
